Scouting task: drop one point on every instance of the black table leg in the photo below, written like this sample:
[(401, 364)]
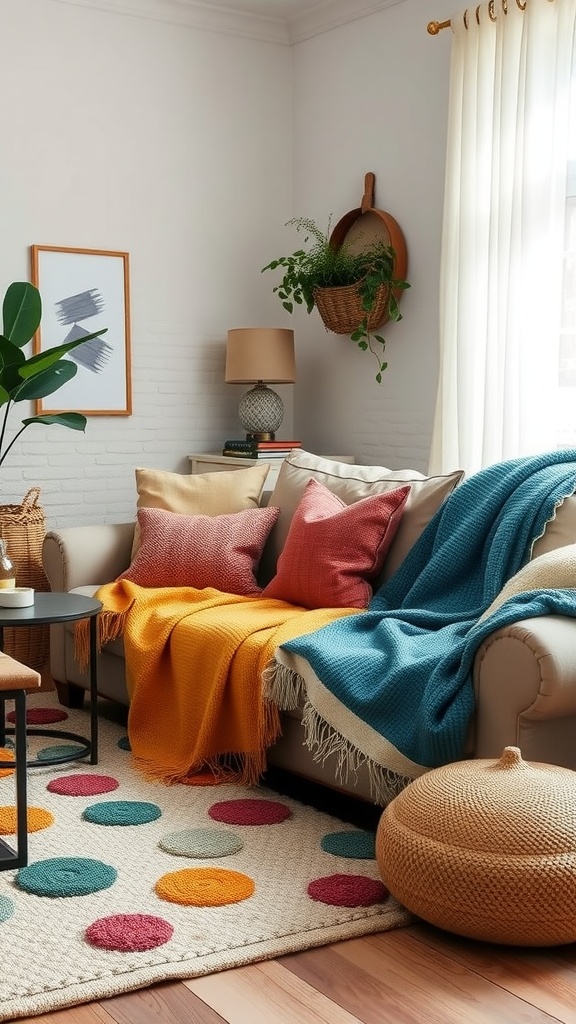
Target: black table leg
[(93, 692), (21, 796)]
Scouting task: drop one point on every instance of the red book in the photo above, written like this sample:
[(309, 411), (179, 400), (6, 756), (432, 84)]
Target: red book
[(265, 446)]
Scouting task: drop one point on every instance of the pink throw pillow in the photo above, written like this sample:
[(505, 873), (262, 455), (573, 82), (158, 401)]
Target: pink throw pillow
[(333, 551), (201, 551)]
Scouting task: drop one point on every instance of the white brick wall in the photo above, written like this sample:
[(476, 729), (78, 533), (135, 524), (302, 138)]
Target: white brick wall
[(190, 150)]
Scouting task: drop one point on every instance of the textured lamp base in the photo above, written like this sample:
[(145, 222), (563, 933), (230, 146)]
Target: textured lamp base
[(261, 411)]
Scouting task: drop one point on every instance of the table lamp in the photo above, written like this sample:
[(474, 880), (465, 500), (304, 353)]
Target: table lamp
[(260, 356)]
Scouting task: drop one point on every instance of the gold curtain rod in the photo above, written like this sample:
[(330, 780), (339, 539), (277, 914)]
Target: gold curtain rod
[(434, 27)]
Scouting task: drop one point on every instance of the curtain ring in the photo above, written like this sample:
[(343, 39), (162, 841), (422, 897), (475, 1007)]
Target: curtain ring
[(465, 18), (491, 11), (505, 6), (521, 6), (478, 15)]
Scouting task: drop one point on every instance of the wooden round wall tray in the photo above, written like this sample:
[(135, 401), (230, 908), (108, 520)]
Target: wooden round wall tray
[(358, 228)]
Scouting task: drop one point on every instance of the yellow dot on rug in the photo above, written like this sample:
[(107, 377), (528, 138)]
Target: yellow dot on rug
[(37, 819), (204, 887), (6, 755)]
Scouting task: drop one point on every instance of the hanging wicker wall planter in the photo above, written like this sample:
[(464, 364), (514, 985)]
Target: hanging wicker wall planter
[(354, 276), (341, 308)]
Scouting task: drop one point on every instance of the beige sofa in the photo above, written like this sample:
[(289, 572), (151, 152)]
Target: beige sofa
[(524, 675)]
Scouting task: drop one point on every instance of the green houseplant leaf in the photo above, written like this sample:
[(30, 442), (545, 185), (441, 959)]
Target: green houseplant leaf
[(320, 265), (27, 379)]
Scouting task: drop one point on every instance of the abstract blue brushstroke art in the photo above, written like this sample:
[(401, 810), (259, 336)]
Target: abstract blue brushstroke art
[(95, 353)]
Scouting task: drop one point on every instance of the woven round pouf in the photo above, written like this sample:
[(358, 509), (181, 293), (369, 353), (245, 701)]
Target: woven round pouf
[(486, 849)]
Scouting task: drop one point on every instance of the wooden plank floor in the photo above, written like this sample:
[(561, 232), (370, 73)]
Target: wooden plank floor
[(414, 975)]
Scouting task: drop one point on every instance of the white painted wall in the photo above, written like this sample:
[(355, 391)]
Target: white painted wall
[(132, 134), (190, 150), (372, 96)]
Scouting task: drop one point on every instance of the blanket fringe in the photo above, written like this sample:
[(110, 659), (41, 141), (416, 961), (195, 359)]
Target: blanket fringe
[(324, 741), (110, 627), (283, 686), (235, 769)]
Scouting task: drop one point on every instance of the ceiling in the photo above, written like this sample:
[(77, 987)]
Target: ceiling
[(271, 8), (279, 21)]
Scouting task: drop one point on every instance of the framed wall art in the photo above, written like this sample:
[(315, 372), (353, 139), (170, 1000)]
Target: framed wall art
[(83, 291)]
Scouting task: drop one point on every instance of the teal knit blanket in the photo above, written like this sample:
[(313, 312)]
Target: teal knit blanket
[(404, 666)]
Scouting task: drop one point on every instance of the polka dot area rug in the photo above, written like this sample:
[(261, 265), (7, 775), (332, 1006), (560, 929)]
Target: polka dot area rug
[(130, 882)]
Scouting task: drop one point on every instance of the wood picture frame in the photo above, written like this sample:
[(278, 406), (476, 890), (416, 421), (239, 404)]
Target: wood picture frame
[(84, 291)]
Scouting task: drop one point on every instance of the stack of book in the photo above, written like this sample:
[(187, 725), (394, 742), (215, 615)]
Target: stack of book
[(241, 449)]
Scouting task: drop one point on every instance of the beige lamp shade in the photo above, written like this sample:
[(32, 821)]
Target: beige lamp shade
[(260, 353)]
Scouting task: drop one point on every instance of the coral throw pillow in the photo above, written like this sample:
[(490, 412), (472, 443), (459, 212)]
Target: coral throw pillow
[(334, 551), (201, 551), (206, 494)]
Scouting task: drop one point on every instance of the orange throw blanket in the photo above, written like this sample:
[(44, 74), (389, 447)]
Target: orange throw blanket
[(194, 662)]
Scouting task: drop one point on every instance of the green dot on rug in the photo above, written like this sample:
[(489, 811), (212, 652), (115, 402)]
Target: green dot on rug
[(201, 842), (361, 845), (59, 750), (6, 908), (122, 812), (66, 876)]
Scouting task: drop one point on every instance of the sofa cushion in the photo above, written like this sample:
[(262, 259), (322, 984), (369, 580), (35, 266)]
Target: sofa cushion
[(201, 551), (351, 483), (560, 530), (334, 551), (207, 494)]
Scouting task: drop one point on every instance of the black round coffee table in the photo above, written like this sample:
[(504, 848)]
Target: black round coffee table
[(47, 610)]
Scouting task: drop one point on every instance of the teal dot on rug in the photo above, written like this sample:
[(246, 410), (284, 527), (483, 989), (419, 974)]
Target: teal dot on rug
[(59, 750), (122, 812), (66, 876), (201, 842), (6, 908), (124, 743), (361, 845)]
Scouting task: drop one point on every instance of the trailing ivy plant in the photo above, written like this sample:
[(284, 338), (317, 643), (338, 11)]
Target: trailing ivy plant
[(320, 265), (27, 379)]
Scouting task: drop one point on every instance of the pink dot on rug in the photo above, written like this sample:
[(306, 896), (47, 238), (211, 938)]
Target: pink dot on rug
[(129, 933), (347, 891), (40, 716), (250, 812), (82, 785)]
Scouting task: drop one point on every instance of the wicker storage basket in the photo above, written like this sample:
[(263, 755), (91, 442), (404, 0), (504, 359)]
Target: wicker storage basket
[(23, 528), (486, 849), (341, 308)]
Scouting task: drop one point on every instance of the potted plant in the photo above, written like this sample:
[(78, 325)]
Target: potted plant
[(354, 289), (26, 379)]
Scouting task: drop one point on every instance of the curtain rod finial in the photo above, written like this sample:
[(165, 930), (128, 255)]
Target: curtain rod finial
[(434, 27)]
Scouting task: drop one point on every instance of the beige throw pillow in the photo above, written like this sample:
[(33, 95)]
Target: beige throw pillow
[(206, 494), (351, 483)]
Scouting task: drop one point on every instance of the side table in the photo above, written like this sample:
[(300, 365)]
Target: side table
[(207, 462), (47, 610)]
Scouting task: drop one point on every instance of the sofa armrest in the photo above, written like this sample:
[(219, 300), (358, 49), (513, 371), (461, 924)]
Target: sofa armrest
[(525, 687), (81, 555)]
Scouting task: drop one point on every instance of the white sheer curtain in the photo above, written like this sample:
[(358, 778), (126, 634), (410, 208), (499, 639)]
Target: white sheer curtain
[(503, 232)]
